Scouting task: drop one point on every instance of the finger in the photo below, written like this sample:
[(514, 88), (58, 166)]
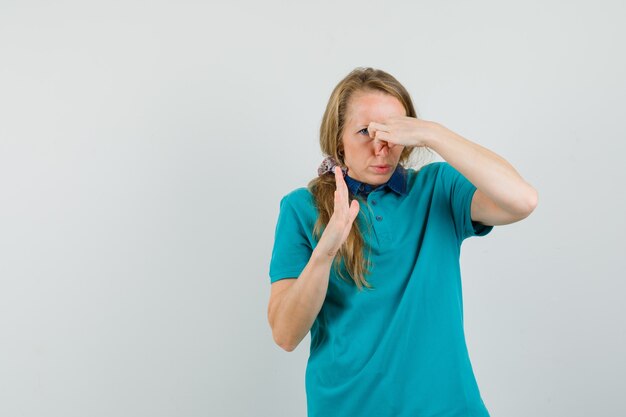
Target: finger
[(377, 127), (378, 145), (354, 210), (371, 130), (382, 135), (340, 195), (339, 204), (340, 183)]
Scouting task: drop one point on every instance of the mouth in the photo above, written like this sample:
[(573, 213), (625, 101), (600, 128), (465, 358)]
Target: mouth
[(381, 169)]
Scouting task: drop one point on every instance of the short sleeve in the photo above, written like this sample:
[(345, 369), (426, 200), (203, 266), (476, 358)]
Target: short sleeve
[(461, 192), (292, 248)]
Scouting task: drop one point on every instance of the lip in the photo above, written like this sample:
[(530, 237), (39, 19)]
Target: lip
[(381, 169)]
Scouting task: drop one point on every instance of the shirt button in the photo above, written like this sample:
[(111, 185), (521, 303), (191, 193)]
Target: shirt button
[(379, 218)]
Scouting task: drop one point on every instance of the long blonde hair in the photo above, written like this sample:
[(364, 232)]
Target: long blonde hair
[(323, 187)]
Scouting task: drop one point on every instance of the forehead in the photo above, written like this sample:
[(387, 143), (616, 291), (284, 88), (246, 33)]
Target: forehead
[(364, 107)]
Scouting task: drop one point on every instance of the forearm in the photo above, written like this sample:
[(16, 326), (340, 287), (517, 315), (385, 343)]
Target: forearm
[(302, 302), (489, 172)]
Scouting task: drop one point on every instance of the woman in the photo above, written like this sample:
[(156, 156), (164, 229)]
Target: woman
[(366, 257)]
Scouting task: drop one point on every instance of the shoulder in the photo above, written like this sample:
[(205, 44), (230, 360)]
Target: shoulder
[(425, 178), (300, 199), (298, 209), (434, 167), (298, 195), (426, 171)]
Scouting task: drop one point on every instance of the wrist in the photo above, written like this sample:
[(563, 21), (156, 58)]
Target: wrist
[(322, 255), (436, 131)]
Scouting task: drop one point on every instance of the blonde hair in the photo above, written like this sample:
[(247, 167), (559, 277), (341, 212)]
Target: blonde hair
[(323, 187)]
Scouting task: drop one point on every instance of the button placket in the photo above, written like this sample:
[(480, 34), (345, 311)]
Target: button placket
[(380, 224)]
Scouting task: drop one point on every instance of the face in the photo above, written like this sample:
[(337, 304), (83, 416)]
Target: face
[(360, 154)]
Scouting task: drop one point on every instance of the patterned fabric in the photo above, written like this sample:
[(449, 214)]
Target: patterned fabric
[(328, 165)]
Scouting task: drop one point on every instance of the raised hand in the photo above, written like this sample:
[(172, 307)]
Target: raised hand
[(340, 223)]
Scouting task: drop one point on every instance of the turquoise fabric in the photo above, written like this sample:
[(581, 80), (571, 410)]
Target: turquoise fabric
[(398, 349)]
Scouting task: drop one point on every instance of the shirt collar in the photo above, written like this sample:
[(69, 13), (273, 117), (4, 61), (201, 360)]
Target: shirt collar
[(397, 183)]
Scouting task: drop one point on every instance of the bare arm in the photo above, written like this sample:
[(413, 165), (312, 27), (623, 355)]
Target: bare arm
[(295, 303), (297, 306)]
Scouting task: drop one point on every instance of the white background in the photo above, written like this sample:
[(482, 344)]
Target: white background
[(145, 145)]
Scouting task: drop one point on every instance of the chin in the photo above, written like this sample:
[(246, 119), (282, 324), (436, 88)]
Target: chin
[(378, 179)]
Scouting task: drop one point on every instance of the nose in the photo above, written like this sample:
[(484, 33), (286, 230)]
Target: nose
[(382, 147)]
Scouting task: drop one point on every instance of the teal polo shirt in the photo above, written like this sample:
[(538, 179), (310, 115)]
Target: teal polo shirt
[(397, 349)]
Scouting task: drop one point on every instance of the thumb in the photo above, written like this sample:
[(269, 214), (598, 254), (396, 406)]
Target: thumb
[(354, 210)]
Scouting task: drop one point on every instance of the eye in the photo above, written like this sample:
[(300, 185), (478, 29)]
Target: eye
[(366, 132)]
